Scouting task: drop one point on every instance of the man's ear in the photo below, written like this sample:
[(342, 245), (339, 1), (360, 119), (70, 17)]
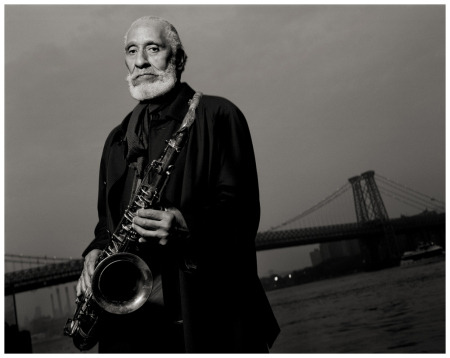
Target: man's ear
[(180, 59)]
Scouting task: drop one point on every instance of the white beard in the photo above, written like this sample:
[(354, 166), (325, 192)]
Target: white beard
[(145, 90)]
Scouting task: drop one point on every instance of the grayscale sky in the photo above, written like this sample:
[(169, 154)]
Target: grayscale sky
[(329, 92)]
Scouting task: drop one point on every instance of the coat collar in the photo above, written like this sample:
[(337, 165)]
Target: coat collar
[(175, 110)]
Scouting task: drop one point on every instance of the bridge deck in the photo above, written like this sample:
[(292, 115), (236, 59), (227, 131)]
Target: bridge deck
[(53, 274)]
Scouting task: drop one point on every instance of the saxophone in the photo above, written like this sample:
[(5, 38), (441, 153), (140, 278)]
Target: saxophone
[(122, 281)]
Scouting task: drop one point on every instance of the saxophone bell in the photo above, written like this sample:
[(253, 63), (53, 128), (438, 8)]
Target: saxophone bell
[(121, 283)]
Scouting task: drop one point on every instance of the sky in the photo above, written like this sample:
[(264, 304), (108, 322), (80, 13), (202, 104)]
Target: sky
[(329, 92)]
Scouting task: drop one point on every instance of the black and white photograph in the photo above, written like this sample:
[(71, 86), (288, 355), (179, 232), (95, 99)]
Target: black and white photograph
[(224, 178)]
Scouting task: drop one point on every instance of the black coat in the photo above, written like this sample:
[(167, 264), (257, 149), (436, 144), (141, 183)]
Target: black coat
[(215, 186)]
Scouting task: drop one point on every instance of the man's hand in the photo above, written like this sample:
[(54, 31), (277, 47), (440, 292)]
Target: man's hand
[(157, 224), (84, 282)]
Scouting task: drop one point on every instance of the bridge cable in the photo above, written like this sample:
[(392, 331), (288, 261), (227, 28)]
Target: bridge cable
[(320, 204), (398, 196), (414, 198), (427, 199), (44, 258), (409, 189), (384, 191)]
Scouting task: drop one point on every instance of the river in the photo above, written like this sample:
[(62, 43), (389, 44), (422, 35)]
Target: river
[(397, 310)]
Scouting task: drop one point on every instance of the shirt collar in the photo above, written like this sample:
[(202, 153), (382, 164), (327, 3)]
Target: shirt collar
[(175, 110), (180, 105)]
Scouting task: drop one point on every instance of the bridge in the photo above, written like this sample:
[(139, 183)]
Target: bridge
[(315, 235), (372, 225)]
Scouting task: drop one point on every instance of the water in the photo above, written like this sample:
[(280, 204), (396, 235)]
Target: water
[(398, 310)]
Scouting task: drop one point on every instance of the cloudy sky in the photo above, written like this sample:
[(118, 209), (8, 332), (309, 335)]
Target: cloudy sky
[(328, 91)]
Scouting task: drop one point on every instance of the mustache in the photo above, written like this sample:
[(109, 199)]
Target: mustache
[(152, 70), (143, 73)]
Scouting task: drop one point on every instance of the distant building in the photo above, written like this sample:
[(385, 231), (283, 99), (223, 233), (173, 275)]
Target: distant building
[(316, 257), (37, 312), (339, 249)]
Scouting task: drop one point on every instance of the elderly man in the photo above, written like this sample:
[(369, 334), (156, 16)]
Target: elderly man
[(208, 297)]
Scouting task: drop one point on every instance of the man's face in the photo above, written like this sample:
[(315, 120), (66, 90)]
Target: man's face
[(149, 60)]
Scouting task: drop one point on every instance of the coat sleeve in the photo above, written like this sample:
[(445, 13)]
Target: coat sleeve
[(101, 234), (224, 220)]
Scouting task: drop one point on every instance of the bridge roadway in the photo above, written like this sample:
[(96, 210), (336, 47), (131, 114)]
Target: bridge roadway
[(53, 274)]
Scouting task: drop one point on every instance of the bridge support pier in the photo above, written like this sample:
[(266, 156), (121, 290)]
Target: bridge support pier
[(380, 251), (376, 253)]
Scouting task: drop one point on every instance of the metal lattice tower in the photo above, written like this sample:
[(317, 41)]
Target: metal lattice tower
[(376, 208), (370, 208), (360, 205), (369, 205)]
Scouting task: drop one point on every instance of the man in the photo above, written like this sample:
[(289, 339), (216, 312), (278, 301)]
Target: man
[(209, 297)]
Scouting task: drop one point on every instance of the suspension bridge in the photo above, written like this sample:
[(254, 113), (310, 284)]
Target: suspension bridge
[(355, 211)]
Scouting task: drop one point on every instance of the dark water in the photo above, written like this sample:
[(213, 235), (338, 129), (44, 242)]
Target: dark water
[(397, 310)]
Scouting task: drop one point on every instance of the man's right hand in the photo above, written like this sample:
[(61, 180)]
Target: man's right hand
[(84, 282)]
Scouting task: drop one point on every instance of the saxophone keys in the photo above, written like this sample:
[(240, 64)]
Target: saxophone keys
[(127, 228), (142, 202), (71, 327), (118, 238), (129, 215), (169, 169), (134, 236)]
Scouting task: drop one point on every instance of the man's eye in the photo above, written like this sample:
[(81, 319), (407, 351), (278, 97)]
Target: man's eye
[(131, 51), (153, 49)]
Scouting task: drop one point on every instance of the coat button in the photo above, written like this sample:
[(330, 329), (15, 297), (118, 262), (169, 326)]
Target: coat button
[(104, 183)]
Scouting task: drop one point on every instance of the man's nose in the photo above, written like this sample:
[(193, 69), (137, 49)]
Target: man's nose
[(141, 59)]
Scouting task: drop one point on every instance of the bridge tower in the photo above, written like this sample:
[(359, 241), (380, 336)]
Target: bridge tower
[(370, 210), (362, 215)]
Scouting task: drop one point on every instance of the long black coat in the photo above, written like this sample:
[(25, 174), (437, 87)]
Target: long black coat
[(215, 186)]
